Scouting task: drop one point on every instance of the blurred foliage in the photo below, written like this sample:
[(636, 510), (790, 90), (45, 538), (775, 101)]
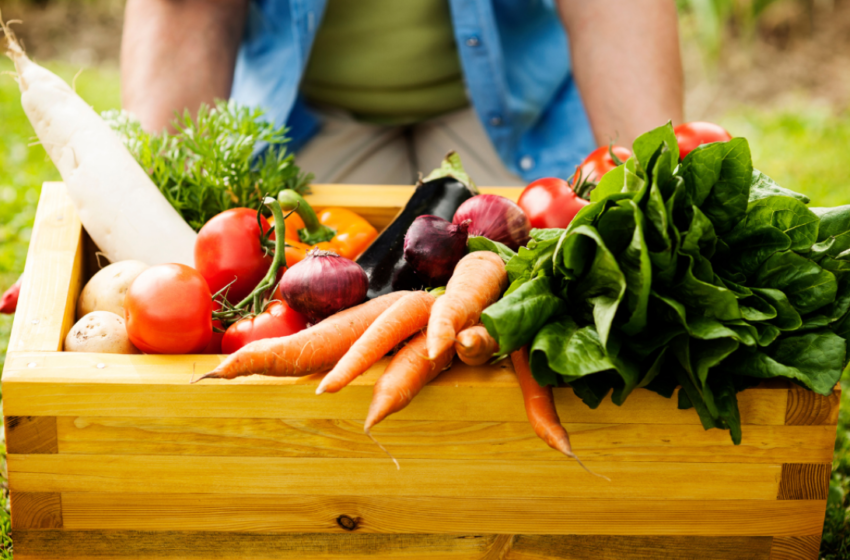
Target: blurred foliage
[(713, 20)]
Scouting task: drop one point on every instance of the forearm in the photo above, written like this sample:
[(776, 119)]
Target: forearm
[(177, 54), (626, 64)]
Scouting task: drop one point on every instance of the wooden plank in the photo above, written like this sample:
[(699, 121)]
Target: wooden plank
[(31, 434), (79, 384), (377, 477), (807, 408), (411, 439), (427, 514), (796, 548), (132, 545), (379, 203), (36, 510), (804, 481), (52, 275), (124, 545), (536, 547)]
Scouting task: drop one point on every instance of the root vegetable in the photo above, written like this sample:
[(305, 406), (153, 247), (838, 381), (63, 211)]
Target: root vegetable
[(399, 322), (311, 351), (474, 346), (106, 289), (478, 281), (123, 211), (102, 332)]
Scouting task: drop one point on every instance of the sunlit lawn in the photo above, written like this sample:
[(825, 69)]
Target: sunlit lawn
[(802, 148)]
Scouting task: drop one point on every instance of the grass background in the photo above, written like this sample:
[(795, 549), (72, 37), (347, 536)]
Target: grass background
[(802, 145)]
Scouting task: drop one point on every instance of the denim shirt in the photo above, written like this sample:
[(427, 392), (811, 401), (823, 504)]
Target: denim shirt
[(516, 67)]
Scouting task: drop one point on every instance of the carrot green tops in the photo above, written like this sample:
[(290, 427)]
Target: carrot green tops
[(386, 61)]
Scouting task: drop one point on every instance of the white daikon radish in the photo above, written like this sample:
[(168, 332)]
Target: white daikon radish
[(123, 211)]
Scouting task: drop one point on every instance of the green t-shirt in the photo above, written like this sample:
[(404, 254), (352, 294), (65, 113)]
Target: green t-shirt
[(386, 61)]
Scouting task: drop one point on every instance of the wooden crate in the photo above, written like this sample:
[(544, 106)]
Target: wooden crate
[(120, 457)]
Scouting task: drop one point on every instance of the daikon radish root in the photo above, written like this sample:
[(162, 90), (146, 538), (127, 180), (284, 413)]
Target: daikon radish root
[(477, 282), (123, 211), (474, 346), (310, 351), (540, 409)]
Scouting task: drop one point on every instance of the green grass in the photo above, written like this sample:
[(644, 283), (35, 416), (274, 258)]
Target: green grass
[(803, 148)]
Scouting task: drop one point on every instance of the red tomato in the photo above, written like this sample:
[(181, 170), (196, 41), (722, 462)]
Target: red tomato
[(228, 248), (692, 135), (168, 310), (277, 320), (550, 203), (599, 162), (214, 345)]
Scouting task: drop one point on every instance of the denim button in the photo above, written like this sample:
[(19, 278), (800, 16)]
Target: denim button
[(526, 163), (473, 41), (496, 120)]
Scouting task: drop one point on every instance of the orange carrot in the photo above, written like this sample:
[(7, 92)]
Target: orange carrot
[(477, 282), (540, 409), (407, 373), (309, 351), (400, 321), (474, 346)]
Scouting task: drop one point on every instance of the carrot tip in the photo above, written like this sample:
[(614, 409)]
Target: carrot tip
[(320, 390), (384, 449), (572, 455), (210, 375)]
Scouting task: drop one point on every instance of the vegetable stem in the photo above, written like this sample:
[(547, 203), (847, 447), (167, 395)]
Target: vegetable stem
[(313, 232)]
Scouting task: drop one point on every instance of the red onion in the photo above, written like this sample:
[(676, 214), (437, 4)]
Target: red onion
[(322, 284), (496, 218), (433, 246)]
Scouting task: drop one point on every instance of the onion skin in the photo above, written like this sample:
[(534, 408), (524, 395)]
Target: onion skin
[(433, 246), (496, 218), (323, 284)]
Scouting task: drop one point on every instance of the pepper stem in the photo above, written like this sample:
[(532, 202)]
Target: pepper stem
[(313, 231)]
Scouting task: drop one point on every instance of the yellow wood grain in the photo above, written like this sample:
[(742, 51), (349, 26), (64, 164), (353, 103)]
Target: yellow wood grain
[(31, 434), (77, 384), (435, 439), (52, 275), (796, 548), (409, 514), (36, 510), (538, 547), (379, 203), (379, 477), (804, 481), (808, 408)]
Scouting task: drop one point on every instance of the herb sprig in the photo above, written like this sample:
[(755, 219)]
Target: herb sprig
[(226, 157)]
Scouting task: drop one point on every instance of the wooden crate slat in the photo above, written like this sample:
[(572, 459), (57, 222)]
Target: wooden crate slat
[(806, 408), (63, 384), (52, 275), (804, 481), (273, 437), (796, 548), (31, 434), (411, 514), (36, 510), (373, 477), (131, 545)]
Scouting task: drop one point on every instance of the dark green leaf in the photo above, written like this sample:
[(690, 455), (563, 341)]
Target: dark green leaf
[(479, 243), (807, 285), (648, 144), (763, 186), (515, 319)]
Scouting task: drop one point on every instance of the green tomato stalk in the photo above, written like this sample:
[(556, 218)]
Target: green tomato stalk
[(313, 231)]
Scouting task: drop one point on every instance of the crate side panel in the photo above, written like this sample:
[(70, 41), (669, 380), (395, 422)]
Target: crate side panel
[(36, 510), (52, 275), (537, 547), (424, 439), (427, 514), (796, 548), (31, 434), (377, 477), (73, 384), (807, 408)]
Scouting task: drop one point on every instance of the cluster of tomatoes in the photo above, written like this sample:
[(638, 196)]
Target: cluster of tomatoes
[(553, 202), (169, 308)]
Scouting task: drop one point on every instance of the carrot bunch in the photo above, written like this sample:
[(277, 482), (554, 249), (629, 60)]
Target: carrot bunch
[(431, 331)]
